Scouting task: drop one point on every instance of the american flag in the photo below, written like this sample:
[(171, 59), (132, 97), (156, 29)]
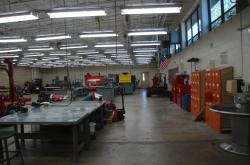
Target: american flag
[(164, 63)]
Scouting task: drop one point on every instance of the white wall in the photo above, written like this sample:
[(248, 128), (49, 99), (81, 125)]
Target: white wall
[(78, 73), (226, 41), (21, 75)]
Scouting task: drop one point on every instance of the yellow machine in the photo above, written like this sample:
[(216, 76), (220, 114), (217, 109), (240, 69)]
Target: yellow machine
[(125, 82), (125, 78)]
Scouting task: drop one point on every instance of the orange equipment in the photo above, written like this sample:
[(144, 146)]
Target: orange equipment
[(94, 81), (12, 100)]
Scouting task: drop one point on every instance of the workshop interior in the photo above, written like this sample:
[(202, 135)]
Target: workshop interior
[(118, 82)]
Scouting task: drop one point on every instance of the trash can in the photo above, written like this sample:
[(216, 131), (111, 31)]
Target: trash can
[(186, 102), (92, 128)]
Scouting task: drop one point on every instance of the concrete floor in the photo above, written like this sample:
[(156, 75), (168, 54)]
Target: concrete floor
[(155, 132)]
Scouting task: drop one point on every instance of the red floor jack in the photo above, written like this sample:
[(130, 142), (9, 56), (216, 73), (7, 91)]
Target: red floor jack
[(116, 114), (12, 102)]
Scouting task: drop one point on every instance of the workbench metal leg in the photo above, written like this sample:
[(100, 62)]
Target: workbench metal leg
[(75, 143), (1, 152), (86, 132), (102, 116), (16, 129), (22, 135)]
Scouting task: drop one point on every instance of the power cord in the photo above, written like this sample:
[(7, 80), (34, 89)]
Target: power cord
[(69, 85)]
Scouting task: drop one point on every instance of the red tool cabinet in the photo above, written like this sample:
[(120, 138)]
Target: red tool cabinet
[(180, 88)]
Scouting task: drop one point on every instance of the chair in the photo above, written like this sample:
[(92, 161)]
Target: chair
[(7, 155)]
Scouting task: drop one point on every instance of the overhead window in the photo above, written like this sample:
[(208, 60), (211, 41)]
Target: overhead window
[(189, 31), (193, 27), (221, 11), (229, 8)]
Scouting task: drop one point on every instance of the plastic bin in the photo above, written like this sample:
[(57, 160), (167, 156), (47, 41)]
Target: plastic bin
[(186, 102), (92, 128)]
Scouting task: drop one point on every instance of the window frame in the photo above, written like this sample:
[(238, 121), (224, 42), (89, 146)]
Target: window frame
[(223, 13), (196, 12)]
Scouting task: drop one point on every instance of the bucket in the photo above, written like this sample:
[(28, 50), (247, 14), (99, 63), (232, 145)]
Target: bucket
[(92, 128)]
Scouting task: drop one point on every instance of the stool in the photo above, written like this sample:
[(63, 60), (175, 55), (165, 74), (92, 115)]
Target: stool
[(4, 149)]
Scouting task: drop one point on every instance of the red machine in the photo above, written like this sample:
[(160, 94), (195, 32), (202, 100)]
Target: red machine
[(12, 99), (93, 81), (159, 85), (180, 88)]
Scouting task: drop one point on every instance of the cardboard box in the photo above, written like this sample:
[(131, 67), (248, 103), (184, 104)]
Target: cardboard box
[(231, 86)]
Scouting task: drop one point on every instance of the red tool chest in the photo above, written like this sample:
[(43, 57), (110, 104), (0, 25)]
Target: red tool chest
[(180, 87)]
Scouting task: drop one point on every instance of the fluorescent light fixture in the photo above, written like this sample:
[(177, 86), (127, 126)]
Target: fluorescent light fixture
[(73, 46), (125, 56), (160, 8), (17, 16), (143, 63), (10, 50), (48, 37), (59, 54), (144, 59), (145, 43), (106, 45), (147, 32), (140, 60), (12, 39), (96, 57), (9, 56), (118, 51), (144, 55), (122, 59), (76, 12), (145, 51), (62, 61), (33, 55), (97, 34), (24, 64), (40, 48), (117, 56), (86, 53), (29, 59), (150, 53), (120, 54)]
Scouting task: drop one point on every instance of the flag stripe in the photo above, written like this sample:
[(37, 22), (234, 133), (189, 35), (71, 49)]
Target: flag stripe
[(164, 64)]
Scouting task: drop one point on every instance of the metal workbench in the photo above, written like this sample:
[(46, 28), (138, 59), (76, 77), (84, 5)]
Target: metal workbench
[(108, 93), (76, 116)]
